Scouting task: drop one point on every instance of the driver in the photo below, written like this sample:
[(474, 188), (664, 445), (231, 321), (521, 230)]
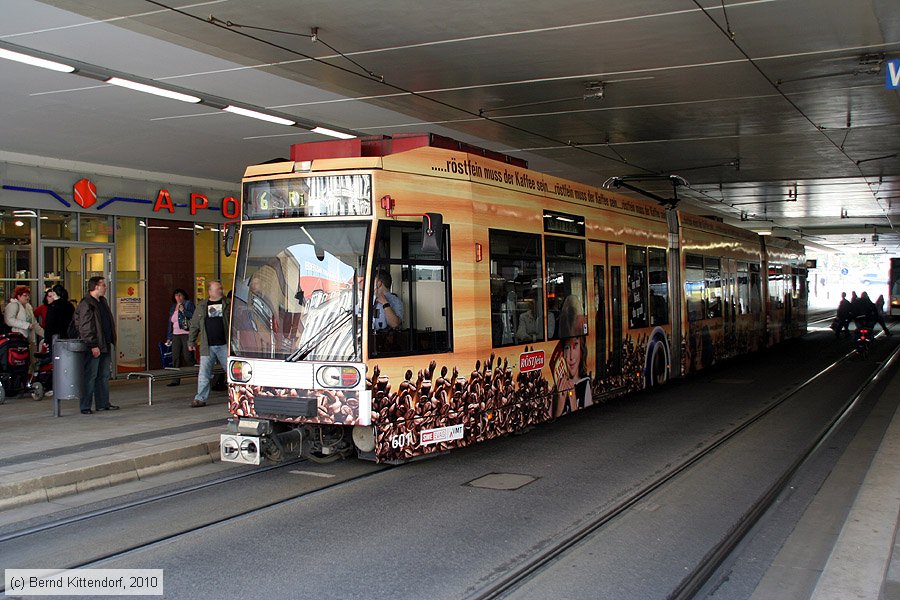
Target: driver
[(387, 310)]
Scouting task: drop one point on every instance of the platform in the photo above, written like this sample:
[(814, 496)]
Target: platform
[(46, 457)]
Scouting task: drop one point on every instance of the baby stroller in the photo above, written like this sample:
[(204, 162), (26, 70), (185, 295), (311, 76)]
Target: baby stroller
[(14, 360)]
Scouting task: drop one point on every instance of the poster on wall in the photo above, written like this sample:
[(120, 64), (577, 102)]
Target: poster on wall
[(130, 324), (200, 288)]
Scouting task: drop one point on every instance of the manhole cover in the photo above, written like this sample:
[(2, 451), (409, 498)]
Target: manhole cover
[(502, 481)]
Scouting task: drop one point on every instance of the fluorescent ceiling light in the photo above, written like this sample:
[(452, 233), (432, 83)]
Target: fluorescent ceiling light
[(150, 89), (333, 133), (246, 112), (36, 62)]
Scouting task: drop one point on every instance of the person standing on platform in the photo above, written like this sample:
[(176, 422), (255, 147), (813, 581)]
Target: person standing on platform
[(59, 314), (40, 312), (879, 314), (844, 315), (210, 327), (19, 317), (95, 326), (180, 314)]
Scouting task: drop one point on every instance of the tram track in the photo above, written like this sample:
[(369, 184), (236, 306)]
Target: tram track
[(23, 535), (142, 501), (692, 583)]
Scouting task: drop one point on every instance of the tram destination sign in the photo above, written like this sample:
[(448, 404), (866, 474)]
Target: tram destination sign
[(316, 196), (557, 222)]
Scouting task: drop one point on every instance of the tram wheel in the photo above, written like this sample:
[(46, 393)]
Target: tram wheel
[(656, 369)]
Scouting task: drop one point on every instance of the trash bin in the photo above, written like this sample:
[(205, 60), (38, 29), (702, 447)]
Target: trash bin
[(68, 371)]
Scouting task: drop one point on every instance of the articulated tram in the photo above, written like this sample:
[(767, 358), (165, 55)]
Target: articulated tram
[(519, 297)]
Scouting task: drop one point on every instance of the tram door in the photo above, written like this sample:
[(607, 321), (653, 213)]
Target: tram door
[(608, 261)]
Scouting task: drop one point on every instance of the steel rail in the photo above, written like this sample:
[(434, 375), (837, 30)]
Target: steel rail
[(525, 570), (98, 560), (140, 502)]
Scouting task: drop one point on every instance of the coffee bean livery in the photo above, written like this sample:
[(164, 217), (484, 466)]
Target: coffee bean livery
[(397, 297)]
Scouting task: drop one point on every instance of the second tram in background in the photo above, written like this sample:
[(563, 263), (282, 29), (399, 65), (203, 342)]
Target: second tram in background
[(516, 297), (894, 287)]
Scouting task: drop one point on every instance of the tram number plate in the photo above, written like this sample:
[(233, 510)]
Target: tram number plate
[(401, 440)]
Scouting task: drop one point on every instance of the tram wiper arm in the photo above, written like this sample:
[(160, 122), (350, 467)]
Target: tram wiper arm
[(303, 351)]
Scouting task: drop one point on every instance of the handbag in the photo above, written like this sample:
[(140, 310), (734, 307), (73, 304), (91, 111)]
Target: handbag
[(183, 321)]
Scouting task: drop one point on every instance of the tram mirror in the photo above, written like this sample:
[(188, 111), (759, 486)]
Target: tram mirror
[(228, 237), (432, 229)]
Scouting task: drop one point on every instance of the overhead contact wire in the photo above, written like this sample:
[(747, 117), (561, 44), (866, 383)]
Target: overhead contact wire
[(731, 38), (377, 79)]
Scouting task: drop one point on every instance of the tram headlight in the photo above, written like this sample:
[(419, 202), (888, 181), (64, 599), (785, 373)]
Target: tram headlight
[(241, 371), (337, 376)]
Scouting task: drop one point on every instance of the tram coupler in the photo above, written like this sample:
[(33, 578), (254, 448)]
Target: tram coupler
[(244, 441), (248, 441)]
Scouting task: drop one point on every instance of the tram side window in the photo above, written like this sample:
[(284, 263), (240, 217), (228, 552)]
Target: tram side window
[(693, 287), (636, 282), (713, 267), (755, 289), (776, 287), (659, 286), (743, 281), (421, 280), (566, 287), (517, 301)]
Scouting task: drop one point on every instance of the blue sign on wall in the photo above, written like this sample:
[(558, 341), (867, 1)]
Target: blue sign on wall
[(892, 75)]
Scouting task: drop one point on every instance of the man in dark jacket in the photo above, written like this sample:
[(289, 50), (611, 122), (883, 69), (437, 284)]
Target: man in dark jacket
[(97, 330)]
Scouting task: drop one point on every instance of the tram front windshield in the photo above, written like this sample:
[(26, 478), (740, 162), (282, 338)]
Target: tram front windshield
[(298, 292)]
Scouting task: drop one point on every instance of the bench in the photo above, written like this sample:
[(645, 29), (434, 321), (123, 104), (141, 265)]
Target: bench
[(166, 374)]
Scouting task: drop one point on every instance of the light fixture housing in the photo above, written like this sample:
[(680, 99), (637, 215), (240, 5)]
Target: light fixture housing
[(152, 89), (246, 112), (332, 133), (36, 62)]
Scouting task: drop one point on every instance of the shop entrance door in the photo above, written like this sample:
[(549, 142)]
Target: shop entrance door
[(72, 266)]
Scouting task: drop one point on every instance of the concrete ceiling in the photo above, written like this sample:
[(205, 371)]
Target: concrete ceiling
[(775, 112)]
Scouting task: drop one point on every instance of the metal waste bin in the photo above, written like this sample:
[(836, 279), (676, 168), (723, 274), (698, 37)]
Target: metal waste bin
[(68, 371)]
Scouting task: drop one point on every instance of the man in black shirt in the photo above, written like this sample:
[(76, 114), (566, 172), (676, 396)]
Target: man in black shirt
[(94, 322), (210, 325)]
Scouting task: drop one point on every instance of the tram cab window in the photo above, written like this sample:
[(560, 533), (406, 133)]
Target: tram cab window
[(565, 276), (517, 299), (694, 287), (421, 281)]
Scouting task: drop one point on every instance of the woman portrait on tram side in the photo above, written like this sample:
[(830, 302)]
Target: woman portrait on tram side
[(569, 360)]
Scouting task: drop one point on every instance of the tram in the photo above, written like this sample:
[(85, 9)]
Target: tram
[(514, 298), (894, 287)]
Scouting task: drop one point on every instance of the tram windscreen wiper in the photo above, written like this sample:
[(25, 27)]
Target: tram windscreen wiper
[(303, 351)]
